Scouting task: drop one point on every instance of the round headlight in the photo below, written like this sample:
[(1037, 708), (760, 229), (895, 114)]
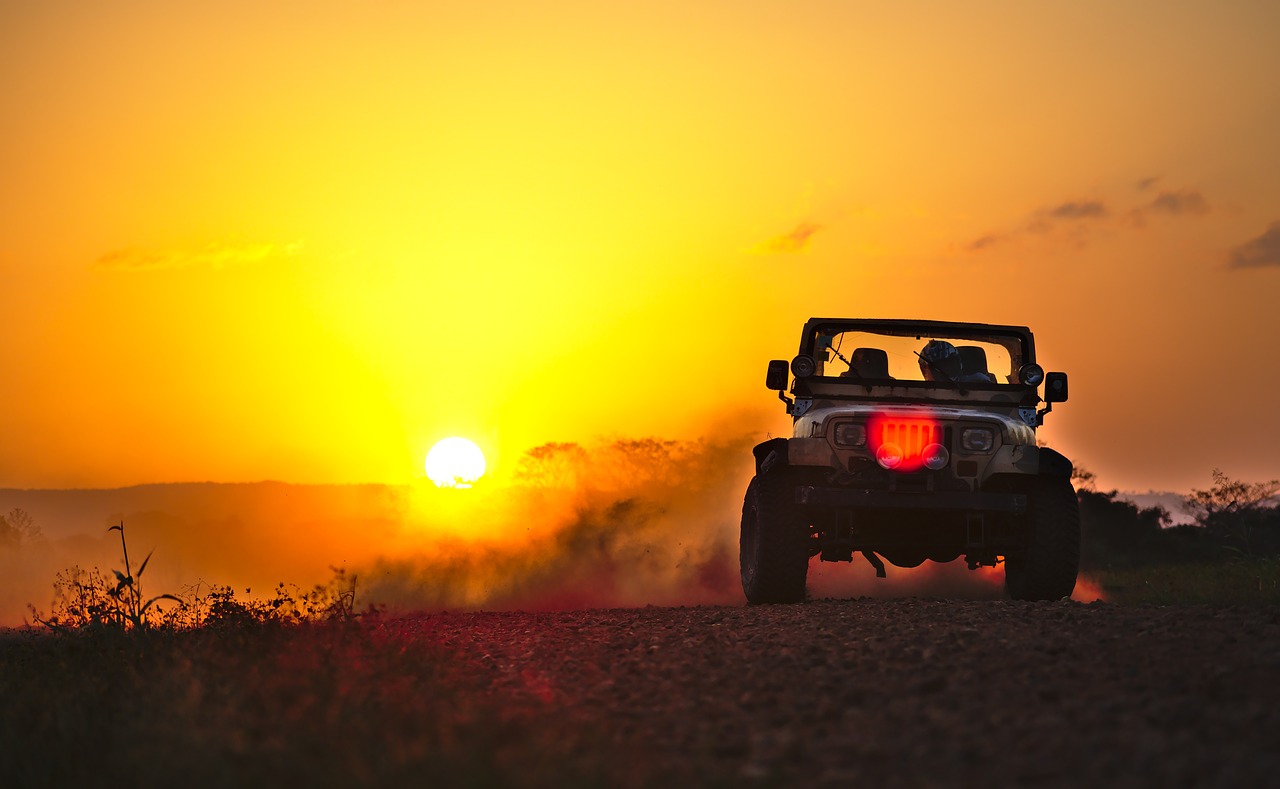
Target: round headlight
[(803, 366), (977, 439), (935, 456), (1031, 374), (851, 435), (889, 456)]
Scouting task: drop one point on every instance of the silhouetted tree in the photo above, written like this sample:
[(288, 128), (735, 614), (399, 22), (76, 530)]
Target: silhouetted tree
[(1083, 479), (1242, 516), (18, 528)]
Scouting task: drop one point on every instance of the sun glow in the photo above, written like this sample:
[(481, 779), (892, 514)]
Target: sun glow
[(455, 463)]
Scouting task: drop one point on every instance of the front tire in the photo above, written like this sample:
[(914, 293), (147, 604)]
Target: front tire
[(773, 549), (1045, 566)]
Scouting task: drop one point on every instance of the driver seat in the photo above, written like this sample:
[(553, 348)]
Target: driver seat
[(973, 361), (868, 363)]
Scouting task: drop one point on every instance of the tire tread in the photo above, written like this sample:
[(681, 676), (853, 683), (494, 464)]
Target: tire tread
[(1048, 566), (774, 569)]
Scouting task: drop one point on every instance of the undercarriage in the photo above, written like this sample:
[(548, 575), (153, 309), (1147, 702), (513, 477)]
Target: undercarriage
[(908, 539)]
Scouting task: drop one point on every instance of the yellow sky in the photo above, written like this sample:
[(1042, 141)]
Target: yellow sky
[(305, 240)]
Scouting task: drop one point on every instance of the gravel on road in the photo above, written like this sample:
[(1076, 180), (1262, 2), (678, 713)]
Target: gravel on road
[(889, 692)]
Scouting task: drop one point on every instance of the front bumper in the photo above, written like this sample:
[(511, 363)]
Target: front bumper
[(939, 501)]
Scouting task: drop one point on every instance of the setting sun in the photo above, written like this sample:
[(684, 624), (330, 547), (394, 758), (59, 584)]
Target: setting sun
[(455, 463)]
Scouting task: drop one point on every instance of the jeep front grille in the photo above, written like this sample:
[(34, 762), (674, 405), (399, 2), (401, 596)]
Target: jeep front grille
[(906, 437), (912, 435)]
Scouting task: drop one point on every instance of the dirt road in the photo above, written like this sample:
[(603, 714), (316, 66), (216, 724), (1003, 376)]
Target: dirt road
[(891, 693)]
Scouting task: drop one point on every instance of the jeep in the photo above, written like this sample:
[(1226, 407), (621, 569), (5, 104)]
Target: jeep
[(912, 441)]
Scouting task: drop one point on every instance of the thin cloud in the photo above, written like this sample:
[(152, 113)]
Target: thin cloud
[(795, 241), (1044, 222), (1261, 251), (1088, 209), (1039, 226), (1075, 221), (985, 242), (1184, 201), (1171, 203), (215, 256)]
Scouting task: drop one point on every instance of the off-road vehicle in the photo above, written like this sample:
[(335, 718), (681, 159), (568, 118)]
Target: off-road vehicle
[(912, 441)]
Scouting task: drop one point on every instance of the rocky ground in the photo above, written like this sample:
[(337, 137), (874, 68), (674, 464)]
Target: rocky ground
[(889, 692)]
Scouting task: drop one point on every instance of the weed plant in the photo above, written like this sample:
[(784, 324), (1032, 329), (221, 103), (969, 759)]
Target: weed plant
[(90, 599)]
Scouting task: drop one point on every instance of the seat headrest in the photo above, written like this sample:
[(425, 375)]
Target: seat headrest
[(973, 358), (870, 362)]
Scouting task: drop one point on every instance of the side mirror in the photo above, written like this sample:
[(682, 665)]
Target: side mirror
[(777, 376), (1055, 388)]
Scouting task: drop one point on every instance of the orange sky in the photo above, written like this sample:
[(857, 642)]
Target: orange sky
[(305, 240)]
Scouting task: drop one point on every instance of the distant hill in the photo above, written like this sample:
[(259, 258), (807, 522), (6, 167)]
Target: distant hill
[(65, 512)]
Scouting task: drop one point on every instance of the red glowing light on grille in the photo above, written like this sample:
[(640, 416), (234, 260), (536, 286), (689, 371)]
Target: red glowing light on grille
[(911, 433)]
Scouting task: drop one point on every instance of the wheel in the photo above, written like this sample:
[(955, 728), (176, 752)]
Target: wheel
[(774, 549), (1044, 567)]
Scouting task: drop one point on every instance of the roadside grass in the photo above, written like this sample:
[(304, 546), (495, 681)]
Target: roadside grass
[(313, 704), (1246, 582), (297, 690)]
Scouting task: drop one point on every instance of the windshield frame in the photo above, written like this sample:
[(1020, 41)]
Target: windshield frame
[(1017, 339)]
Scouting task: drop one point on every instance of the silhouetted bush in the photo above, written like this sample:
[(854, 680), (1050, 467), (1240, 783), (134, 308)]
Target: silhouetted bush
[(1117, 533), (1232, 520)]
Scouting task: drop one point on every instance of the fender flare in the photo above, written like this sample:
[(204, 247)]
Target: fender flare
[(769, 454), (1054, 464)]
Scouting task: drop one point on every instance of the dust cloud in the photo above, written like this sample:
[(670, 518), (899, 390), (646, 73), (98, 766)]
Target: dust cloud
[(625, 522), (617, 523)]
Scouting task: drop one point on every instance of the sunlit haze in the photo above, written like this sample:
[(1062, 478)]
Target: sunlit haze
[(301, 241)]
